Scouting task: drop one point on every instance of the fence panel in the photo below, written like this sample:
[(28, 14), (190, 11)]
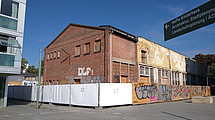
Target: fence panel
[(84, 94), (115, 94), (61, 94)]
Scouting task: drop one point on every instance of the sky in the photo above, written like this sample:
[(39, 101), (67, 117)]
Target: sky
[(46, 19)]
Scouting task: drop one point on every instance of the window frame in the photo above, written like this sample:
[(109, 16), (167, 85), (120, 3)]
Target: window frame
[(97, 51), (48, 57), (77, 46), (58, 54), (86, 52), (51, 56), (55, 54), (143, 56)]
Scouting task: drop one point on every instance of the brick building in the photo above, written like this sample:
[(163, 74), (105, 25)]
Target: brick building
[(83, 53), (87, 54)]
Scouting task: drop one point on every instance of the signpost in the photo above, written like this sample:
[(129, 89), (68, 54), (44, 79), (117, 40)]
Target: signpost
[(192, 20)]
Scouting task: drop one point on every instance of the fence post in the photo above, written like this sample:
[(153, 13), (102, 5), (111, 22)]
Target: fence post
[(98, 107)]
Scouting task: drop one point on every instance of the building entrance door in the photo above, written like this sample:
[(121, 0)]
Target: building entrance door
[(2, 90), (124, 79)]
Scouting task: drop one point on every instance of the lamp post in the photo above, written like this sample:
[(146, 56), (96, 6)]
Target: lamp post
[(38, 85)]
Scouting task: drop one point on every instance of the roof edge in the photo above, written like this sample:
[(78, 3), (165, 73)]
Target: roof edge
[(73, 24)]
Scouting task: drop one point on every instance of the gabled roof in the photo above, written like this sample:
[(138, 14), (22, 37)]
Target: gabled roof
[(102, 27), (79, 25)]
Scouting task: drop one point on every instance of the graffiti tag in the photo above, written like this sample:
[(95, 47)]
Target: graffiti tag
[(84, 72)]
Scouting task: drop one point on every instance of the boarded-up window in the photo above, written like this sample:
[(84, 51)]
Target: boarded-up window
[(131, 73), (87, 48), (50, 82), (48, 57), (51, 56), (151, 75), (77, 50), (124, 68), (55, 54), (116, 72), (97, 46), (58, 54), (143, 56)]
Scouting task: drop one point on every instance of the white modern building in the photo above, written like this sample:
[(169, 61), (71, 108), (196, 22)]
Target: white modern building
[(12, 19)]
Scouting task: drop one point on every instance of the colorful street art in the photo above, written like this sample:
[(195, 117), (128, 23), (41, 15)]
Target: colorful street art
[(157, 93)]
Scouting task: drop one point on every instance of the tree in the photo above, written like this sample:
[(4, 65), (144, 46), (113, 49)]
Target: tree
[(32, 69), (207, 59), (24, 65), (212, 71), (42, 66)]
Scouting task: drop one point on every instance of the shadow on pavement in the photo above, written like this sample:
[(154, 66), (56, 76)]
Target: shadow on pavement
[(176, 115), (11, 102)]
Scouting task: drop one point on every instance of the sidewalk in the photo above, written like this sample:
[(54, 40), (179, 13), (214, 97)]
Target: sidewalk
[(181, 110)]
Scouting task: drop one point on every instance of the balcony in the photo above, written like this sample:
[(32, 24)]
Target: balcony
[(7, 60), (7, 22), (8, 50)]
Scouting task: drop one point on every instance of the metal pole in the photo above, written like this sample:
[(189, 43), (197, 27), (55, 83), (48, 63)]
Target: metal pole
[(38, 85)]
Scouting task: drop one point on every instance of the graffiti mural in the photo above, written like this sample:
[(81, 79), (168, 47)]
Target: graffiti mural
[(147, 91), (155, 93), (164, 92), (94, 79), (144, 93)]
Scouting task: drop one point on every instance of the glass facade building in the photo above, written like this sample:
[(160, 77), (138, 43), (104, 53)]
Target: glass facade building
[(12, 18)]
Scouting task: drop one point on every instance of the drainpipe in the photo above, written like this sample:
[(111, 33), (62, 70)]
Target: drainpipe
[(111, 57)]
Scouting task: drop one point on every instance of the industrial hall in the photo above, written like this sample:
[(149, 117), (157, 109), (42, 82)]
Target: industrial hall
[(83, 54)]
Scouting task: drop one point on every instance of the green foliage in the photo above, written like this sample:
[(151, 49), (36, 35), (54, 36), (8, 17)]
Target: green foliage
[(32, 69), (207, 59), (212, 71), (23, 64)]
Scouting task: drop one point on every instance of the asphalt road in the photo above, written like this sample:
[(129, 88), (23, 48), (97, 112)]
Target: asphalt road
[(181, 110)]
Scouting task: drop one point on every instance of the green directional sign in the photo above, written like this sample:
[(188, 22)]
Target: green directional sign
[(192, 20)]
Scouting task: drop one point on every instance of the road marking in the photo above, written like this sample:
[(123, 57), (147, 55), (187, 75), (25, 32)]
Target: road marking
[(43, 113), (26, 114), (116, 113), (6, 115)]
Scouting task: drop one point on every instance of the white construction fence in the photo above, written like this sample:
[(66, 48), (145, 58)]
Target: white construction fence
[(95, 95)]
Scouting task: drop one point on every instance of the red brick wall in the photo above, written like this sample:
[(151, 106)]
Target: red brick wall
[(58, 69), (123, 48)]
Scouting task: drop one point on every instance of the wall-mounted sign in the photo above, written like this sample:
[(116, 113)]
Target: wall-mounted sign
[(192, 20)]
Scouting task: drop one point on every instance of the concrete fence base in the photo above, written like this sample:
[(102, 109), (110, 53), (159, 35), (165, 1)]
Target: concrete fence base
[(206, 100)]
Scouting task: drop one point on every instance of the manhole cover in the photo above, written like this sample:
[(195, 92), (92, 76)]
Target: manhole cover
[(116, 113)]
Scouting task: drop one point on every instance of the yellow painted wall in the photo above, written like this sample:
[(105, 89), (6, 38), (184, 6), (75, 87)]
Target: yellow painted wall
[(147, 46), (160, 56), (177, 61)]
